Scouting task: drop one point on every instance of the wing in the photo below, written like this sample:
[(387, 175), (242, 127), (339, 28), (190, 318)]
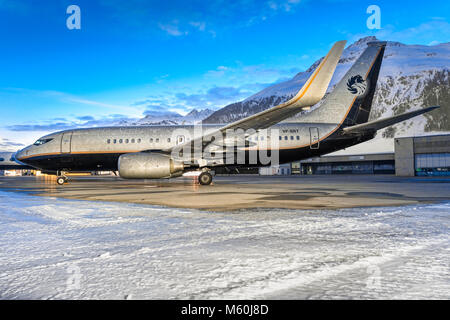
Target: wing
[(383, 123), (312, 91)]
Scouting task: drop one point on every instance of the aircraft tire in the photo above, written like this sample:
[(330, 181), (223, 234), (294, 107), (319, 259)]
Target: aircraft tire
[(205, 178), (61, 180)]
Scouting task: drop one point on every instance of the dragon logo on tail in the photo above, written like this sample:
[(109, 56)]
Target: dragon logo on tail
[(357, 85)]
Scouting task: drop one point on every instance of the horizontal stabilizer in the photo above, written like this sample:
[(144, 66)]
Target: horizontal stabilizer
[(383, 123)]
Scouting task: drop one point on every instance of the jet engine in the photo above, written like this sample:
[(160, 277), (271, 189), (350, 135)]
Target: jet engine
[(149, 165)]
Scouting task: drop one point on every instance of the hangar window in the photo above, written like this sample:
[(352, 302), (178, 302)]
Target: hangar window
[(108, 141), (42, 141)]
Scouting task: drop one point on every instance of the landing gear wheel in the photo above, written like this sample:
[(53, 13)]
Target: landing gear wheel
[(61, 180), (205, 178)]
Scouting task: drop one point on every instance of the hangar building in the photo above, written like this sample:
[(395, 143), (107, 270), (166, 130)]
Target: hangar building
[(413, 156)]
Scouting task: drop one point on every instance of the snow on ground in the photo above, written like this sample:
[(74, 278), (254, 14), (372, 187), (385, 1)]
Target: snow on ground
[(61, 249)]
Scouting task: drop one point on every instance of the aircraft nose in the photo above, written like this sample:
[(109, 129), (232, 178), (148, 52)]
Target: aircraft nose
[(21, 154)]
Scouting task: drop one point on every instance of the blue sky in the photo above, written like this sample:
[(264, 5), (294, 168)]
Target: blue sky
[(134, 57)]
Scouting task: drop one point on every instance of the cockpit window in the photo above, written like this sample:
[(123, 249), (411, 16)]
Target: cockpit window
[(42, 141), (2, 159)]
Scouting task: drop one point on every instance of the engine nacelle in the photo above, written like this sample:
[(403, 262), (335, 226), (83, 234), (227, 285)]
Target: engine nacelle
[(144, 165)]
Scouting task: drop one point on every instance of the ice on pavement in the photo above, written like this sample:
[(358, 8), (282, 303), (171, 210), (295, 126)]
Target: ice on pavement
[(64, 249)]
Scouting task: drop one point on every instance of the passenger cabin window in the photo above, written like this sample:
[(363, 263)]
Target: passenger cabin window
[(151, 140), (108, 141), (157, 140), (138, 140), (126, 140), (115, 140), (120, 140), (132, 140), (285, 137), (292, 137), (168, 139), (298, 137), (281, 137)]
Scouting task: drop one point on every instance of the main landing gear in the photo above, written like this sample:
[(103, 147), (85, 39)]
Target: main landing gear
[(205, 178), (61, 178)]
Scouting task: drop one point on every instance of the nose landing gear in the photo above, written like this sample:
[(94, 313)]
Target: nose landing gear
[(61, 178)]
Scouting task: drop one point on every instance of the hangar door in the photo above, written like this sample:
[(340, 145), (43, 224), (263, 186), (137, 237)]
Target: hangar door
[(66, 141)]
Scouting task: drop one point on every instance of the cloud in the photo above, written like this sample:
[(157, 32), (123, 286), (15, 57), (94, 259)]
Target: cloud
[(41, 127), (63, 97), (86, 118), (82, 122), (99, 104), (7, 144), (172, 29), (247, 74), (284, 5), (179, 18), (213, 97), (198, 25), (429, 33)]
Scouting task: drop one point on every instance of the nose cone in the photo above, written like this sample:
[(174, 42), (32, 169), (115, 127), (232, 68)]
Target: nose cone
[(21, 154)]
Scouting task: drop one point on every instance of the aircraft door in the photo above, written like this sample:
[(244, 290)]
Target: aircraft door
[(314, 137), (66, 141)]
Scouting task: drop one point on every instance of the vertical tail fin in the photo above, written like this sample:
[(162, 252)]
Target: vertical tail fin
[(351, 100)]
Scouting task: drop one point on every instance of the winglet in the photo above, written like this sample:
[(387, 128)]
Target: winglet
[(314, 89)]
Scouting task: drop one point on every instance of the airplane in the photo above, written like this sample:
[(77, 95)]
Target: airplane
[(157, 152), (9, 162)]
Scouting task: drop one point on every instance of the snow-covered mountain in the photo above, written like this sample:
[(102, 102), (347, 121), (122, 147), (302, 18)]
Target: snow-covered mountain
[(196, 116), (170, 118), (411, 76)]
